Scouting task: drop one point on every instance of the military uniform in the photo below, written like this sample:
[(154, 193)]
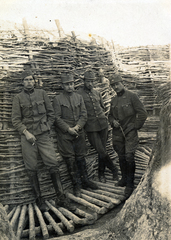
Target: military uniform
[(70, 112), (33, 115), (127, 109), (32, 110), (96, 126)]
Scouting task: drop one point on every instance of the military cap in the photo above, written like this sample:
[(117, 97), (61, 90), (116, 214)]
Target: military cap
[(27, 73), (115, 79), (67, 77), (89, 75)]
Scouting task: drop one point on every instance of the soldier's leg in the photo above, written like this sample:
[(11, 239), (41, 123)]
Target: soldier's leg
[(30, 154), (66, 149), (80, 151), (119, 147), (48, 154), (130, 148), (95, 141), (108, 162)]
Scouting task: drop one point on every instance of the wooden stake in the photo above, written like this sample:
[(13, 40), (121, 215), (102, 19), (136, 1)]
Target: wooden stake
[(87, 204), (21, 221), (25, 25), (98, 202), (31, 223), (42, 222), (15, 216), (72, 216), (60, 30), (68, 225), (54, 224), (49, 227)]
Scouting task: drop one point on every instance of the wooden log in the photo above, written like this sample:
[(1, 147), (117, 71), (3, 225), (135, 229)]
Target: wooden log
[(114, 201), (91, 218), (110, 194), (32, 233), (110, 188), (73, 217), (96, 201), (54, 224), (42, 222), (50, 228), (15, 216), (21, 221), (69, 227), (87, 204)]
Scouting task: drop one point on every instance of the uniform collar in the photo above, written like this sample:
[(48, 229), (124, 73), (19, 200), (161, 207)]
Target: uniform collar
[(29, 91), (88, 90), (121, 93)]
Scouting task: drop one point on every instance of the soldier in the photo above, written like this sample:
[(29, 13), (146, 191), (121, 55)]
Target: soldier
[(96, 126), (71, 116), (127, 115), (33, 116)]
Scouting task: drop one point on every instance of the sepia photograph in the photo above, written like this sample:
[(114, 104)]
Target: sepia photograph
[(85, 119)]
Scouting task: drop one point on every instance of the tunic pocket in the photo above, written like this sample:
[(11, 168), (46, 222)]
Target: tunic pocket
[(26, 110), (127, 109), (41, 106)]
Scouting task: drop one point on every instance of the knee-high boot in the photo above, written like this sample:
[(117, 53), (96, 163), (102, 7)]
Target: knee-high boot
[(112, 167), (61, 199), (36, 189), (86, 183), (123, 167), (130, 179), (101, 169), (73, 171)]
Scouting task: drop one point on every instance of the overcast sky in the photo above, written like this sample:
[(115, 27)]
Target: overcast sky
[(126, 22)]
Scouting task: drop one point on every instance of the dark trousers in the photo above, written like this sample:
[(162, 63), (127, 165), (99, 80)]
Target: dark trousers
[(125, 148), (98, 140), (71, 146)]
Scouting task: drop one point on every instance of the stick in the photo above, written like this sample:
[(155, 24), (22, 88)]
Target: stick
[(31, 223), (72, 216), (49, 227), (87, 204), (90, 217), (90, 198), (69, 226), (54, 224), (42, 222), (15, 216), (21, 221)]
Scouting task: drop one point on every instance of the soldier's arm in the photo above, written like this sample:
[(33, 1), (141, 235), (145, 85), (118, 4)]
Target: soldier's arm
[(49, 109), (83, 113), (113, 122), (141, 113), (17, 116), (58, 120)]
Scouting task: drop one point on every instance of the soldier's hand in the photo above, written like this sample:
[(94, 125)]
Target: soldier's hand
[(116, 124), (77, 128), (72, 131), (30, 137)]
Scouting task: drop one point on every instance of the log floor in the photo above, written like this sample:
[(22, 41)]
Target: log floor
[(29, 222)]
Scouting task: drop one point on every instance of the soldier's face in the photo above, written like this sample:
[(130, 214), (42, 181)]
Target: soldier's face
[(118, 87), (68, 87), (88, 84), (28, 82)]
